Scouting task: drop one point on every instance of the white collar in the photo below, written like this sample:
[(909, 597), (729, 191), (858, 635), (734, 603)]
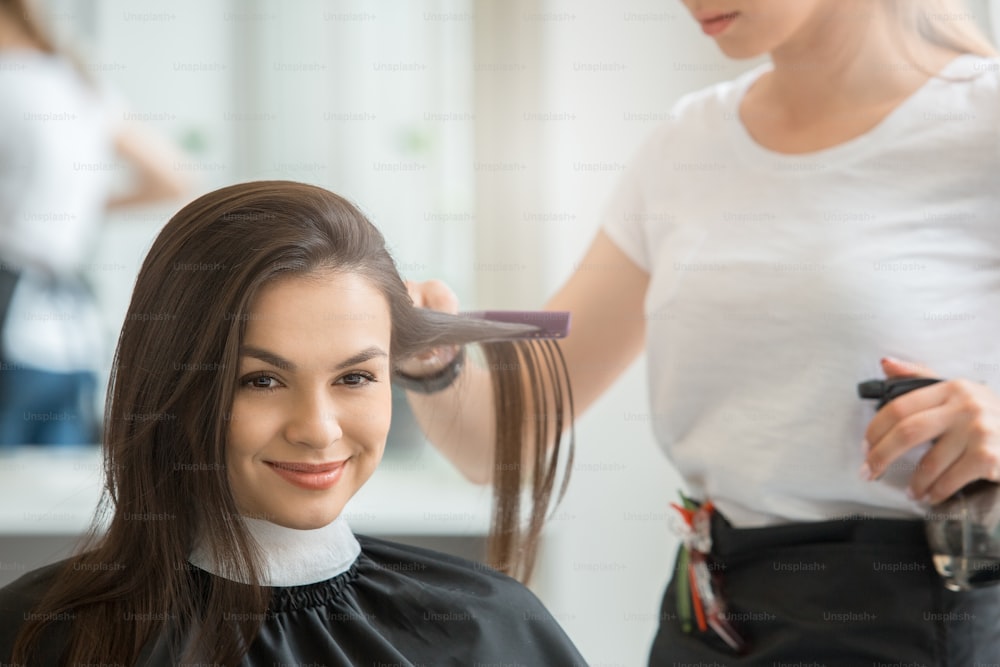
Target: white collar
[(291, 557)]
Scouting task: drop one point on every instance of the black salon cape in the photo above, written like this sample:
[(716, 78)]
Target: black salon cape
[(397, 605)]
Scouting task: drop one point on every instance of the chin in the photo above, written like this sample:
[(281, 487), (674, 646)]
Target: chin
[(302, 518), (741, 51), (308, 522), (745, 46)]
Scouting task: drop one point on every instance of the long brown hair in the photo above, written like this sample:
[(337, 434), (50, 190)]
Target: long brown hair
[(171, 388)]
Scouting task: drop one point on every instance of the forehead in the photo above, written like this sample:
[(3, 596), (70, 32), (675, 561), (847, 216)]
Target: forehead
[(328, 305)]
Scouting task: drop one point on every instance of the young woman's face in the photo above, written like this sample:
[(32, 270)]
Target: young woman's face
[(312, 404), (750, 28)]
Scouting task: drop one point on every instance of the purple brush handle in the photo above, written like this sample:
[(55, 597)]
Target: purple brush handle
[(550, 323)]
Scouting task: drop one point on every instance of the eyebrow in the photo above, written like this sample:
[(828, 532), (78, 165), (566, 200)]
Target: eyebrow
[(372, 352)]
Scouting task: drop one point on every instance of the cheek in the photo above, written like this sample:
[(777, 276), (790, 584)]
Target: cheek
[(364, 420), (372, 422), (248, 426), (254, 420), (235, 451), (240, 428)]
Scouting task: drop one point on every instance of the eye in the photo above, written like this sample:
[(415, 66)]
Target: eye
[(261, 381), (357, 379)]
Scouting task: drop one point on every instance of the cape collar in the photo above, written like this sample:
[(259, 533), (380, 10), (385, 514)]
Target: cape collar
[(291, 557)]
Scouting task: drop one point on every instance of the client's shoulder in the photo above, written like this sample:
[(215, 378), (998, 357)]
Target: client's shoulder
[(498, 615), (19, 601), (401, 557), (447, 574), (25, 591)]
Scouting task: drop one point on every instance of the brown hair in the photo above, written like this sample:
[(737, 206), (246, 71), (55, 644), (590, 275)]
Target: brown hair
[(165, 424)]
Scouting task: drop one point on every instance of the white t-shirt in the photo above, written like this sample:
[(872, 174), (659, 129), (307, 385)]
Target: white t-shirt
[(56, 167), (777, 282)]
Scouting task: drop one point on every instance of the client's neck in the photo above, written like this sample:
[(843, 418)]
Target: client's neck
[(290, 557)]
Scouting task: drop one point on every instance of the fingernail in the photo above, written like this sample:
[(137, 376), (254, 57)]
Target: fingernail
[(910, 494), (865, 472)]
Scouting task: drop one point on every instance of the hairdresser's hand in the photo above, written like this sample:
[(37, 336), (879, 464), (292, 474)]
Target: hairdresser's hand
[(432, 294), (962, 417), (435, 295)]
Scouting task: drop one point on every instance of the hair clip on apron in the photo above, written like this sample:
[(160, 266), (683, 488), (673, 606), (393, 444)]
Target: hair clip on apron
[(696, 587)]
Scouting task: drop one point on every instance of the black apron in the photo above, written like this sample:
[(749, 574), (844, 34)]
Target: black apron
[(845, 592)]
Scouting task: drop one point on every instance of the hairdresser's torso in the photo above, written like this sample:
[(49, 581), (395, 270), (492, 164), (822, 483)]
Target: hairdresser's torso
[(777, 281), (58, 160), (55, 176)]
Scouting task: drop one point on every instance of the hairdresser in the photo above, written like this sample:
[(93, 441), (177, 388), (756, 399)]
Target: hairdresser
[(59, 147), (848, 231)]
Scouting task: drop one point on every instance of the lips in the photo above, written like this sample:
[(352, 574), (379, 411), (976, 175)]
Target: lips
[(307, 467), (310, 476), (713, 22)]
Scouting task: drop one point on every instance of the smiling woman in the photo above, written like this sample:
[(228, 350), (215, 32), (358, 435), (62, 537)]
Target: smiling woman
[(263, 332)]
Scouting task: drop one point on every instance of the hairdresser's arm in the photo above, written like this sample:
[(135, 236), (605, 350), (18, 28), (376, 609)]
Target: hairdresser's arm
[(153, 162), (607, 332)]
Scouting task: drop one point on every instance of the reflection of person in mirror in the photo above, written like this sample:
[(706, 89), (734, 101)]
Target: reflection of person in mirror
[(774, 238), (60, 148), (226, 543)]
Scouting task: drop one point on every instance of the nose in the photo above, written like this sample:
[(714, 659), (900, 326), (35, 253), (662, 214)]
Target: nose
[(313, 420)]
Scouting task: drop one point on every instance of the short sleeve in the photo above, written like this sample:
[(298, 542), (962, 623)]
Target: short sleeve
[(626, 215)]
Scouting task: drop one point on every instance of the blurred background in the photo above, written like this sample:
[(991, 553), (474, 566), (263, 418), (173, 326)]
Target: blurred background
[(483, 138)]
